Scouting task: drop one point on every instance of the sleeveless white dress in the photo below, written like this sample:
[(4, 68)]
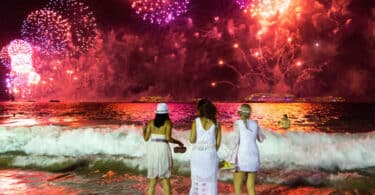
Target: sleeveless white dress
[(246, 155), (204, 162), (158, 157)]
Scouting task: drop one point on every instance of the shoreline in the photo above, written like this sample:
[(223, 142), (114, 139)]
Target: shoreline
[(16, 181)]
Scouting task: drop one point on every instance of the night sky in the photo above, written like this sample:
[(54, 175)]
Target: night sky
[(197, 55)]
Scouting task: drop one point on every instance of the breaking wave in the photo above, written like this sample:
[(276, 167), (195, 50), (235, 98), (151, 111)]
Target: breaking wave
[(44, 146)]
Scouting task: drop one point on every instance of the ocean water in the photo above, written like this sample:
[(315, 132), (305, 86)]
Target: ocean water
[(327, 145), (306, 117)]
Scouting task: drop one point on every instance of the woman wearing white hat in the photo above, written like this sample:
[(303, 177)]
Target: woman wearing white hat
[(158, 133), (246, 156)]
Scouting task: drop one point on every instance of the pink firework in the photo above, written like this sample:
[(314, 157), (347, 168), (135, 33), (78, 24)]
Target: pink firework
[(20, 53), (22, 74), (243, 3), (160, 11), (4, 57), (81, 19), (48, 31)]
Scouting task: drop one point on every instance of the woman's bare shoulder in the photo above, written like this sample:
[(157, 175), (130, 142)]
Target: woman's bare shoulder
[(150, 123)]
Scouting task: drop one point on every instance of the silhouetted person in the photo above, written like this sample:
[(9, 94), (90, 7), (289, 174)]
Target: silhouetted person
[(284, 123)]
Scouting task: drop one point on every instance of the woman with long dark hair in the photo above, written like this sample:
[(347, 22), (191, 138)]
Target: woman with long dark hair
[(158, 133), (205, 138)]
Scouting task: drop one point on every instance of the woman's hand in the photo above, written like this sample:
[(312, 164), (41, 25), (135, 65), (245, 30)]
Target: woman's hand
[(146, 133), (144, 128), (179, 143), (261, 137)]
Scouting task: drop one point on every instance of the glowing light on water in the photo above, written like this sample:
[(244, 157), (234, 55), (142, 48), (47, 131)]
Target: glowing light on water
[(160, 11), (47, 30), (81, 19)]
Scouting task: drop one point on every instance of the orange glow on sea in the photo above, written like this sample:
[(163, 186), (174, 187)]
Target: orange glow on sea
[(19, 182)]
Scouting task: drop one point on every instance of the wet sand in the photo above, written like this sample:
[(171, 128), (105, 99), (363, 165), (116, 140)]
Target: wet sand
[(36, 182)]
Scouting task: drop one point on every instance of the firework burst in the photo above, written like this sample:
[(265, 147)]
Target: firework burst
[(22, 74), (4, 57), (47, 30), (20, 53), (264, 8), (160, 11), (82, 20)]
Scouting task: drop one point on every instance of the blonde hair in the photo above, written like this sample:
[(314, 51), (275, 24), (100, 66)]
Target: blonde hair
[(244, 110)]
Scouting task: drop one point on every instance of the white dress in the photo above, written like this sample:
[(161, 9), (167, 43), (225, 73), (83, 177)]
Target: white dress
[(159, 157), (204, 162), (246, 155)]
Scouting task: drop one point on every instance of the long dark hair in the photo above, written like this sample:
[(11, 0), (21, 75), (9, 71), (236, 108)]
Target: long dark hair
[(207, 109), (160, 119)]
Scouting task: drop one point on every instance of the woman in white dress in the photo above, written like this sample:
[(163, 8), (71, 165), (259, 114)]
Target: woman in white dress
[(158, 133), (246, 157), (205, 138)]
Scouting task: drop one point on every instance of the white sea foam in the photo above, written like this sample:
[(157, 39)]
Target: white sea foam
[(319, 150), (292, 150)]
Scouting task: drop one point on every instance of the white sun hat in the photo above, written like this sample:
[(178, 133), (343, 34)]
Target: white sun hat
[(161, 108)]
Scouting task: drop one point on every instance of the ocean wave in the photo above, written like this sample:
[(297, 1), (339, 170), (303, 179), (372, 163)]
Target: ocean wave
[(48, 145)]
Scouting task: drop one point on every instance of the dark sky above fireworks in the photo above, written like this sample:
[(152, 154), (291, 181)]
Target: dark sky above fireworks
[(332, 47)]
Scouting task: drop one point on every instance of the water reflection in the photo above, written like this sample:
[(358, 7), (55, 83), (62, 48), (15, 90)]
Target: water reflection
[(327, 117), (21, 182), (17, 182), (19, 122)]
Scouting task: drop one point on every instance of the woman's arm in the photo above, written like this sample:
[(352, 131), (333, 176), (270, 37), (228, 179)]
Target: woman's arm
[(218, 136), (236, 142), (193, 133), (146, 131), (175, 141), (260, 136), (236, 135)]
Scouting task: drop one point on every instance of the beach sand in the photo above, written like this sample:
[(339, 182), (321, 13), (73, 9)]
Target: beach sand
[(37, 182)]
